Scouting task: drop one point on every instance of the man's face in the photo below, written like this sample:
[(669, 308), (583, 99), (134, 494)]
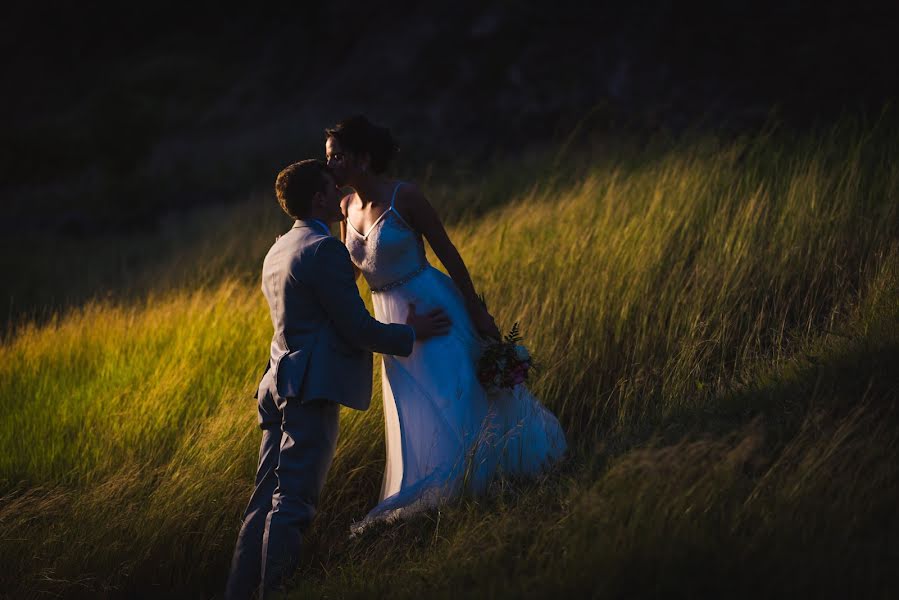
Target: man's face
[(330, 200)]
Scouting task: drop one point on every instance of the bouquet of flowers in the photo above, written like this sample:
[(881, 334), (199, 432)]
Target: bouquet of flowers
[(504, 364)]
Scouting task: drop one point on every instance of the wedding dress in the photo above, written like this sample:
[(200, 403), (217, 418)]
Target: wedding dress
[(444, 434)]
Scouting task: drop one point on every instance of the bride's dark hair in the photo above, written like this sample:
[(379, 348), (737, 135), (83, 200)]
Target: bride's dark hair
[(359, 136)]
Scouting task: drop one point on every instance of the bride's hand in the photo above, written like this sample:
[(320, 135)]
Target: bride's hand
[(484, 322)]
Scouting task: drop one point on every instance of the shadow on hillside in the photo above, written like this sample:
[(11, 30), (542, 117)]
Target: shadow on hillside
[(847, 373)]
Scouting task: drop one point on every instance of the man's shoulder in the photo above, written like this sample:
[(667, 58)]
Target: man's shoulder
[(292, 249), (303, 249), (299, 238), (327, 245)]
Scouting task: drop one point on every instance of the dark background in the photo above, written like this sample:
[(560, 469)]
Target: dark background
[(115, 116)]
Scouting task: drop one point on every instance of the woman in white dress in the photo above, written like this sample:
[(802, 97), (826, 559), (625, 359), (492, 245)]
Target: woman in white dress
[(444, 434)]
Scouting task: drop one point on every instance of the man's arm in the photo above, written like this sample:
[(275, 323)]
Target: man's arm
[(334, 286)]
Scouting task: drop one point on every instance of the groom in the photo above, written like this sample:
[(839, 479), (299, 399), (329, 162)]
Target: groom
[(320, 359)]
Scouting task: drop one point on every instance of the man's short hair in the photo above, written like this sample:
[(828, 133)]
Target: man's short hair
[(297, 184)]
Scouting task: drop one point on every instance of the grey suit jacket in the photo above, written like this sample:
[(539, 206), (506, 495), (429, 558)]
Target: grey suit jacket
[(324, 336)]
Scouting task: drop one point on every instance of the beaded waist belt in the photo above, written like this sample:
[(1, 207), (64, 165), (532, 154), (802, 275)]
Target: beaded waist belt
[(401, 280)]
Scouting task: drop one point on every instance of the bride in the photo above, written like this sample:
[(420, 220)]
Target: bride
[(444, 434)]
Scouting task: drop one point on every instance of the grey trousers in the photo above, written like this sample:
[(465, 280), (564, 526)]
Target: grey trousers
[(298, 443)]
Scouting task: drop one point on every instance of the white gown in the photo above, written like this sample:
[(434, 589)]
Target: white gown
[(444, 434)]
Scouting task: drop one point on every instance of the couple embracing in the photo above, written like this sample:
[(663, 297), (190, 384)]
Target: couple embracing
[(442, 429)]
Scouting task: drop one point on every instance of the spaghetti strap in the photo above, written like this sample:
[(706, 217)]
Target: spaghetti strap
[(395, 211), (393, 199)]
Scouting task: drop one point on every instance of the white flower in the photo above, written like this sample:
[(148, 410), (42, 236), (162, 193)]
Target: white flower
[(521, 353)]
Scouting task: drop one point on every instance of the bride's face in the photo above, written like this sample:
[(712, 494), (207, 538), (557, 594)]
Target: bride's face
[(344, 165)]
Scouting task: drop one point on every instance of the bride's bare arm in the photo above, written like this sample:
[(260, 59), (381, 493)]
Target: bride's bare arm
[(415, 208)]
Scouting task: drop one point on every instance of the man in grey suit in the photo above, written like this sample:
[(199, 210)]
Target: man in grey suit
[(320, 359)]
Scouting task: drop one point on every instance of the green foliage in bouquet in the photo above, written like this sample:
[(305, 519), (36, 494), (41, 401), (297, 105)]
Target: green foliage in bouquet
[(514, 335), (504, 364)]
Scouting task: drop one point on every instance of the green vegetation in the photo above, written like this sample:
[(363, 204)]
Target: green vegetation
[(718, 324)]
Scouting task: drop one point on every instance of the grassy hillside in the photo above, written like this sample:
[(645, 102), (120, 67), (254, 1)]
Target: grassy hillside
[(718, 324)]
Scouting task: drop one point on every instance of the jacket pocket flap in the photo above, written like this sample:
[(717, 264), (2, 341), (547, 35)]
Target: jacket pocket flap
[(291, 371)]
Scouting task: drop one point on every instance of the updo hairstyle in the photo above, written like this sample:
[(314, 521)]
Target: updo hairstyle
[(360, 136)]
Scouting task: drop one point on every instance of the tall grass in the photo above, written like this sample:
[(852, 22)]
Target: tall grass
[(717, 327)]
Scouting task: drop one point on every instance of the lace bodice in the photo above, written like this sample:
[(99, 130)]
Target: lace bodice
[(389, 253)]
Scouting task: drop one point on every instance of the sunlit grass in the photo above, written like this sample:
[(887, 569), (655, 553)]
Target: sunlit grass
[(717, 330)]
